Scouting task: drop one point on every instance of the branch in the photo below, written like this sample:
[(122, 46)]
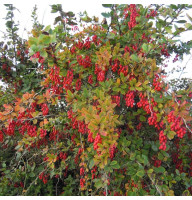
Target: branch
[(25, 191), (185, 66), (184, 119), (156, 186), (153, 182)]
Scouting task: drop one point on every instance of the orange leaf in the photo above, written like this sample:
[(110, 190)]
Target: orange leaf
[(41, 124), (45, 121)]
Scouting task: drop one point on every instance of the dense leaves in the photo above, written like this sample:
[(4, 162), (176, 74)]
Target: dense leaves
[(91, 112)]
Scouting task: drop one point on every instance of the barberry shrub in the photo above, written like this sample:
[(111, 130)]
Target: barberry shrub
[(88, 110)]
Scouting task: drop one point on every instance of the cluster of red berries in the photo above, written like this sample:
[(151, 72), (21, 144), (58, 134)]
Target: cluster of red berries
[(177, 161), (116, 99), (152, 120), (138, 127), (157, 83), (32, 130), (80, 151), (43, 133), (115, 66), (43, 177), (82, 127), (11, 128), (63, 156), (93, 172), (127, 49), (176, 58), (73, 49), (143, 103), (82, 171), (53, 135), (44, 109), (123, 69), (101, 76), (144, 37), (90, 79), (78, 84), (16, 185), (132, 23), (68, 80), (1, 136), (100, 73), (157, 163), (112, 151), (80, 44), (162, 140), (86, 62), (37, 56), (82, 182), (87, 44), (176, 124), (97, 141), (6, 68), (54, 75), (55, 80), (129, 99), (70, 114), (90, 136), (153, 13), (164, 51), (190, 169), (96, 40), (41, 142)]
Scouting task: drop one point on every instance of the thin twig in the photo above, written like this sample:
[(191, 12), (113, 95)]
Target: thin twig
[(183, 118), (185, 66)]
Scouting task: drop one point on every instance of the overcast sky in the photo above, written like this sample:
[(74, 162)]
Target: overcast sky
[(93, 8)]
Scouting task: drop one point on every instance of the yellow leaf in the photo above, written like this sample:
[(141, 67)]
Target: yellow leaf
[(118, 81), (35, 121), (34, 114), (170, 193), (89, 149)]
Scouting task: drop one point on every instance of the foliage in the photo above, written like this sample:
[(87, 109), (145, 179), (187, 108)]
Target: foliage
[(90, 111)]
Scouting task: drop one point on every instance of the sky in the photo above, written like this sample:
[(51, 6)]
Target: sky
[(93, 8)]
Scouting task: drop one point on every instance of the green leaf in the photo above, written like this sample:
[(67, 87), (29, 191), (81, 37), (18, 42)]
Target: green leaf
[(135, 58), (31, 174), (154, 147), (145, 47), (106, 15), (43, 53), (72, 62), (188, 25), (168, 29), (140, 173), (181, 21), (107, 5), (32, 41), (98, 183), (47, 28), (114, 162), (171, 135), (91, 164), (159, 169), (142, 118), (115, 165), (150, 171), (190, 18), (146, 161)]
